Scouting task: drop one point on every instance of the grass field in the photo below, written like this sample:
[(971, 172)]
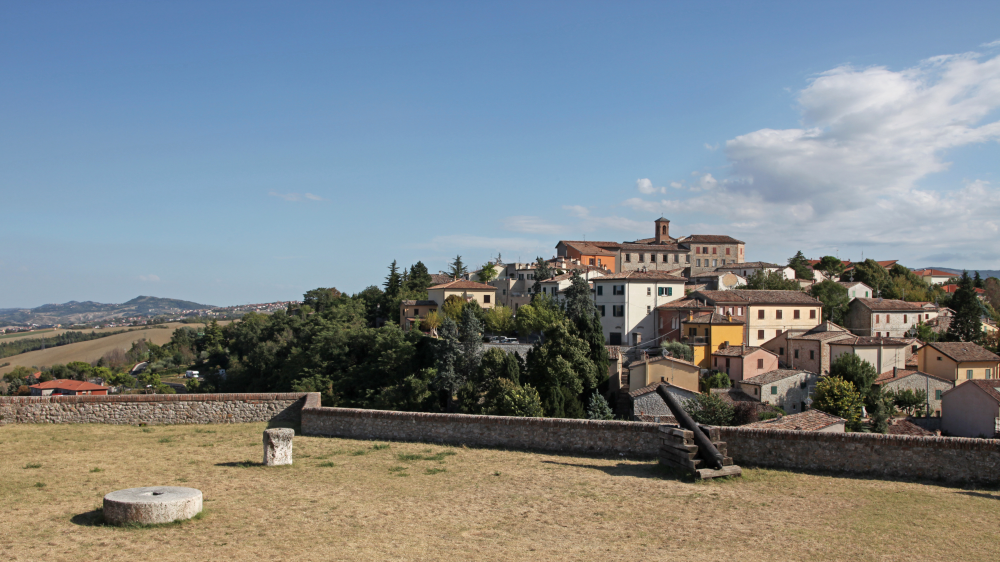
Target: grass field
[(358, 500), (92, 350), (34, 334)]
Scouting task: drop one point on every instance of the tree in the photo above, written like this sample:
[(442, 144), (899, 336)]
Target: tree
[(908, 400), (831, 266), (542, 272), (322, 299), (431, 322), (470, 334), (559, 367), (457, 269), (762, 280), (393, 282), (598, 409), (507, 398), (715, 379), (835, 301), (709, 409), (580, 310), (977, 281), (500, 320), (535, 318), (488, 272), (872, 274), (453, 306), (882, 408), (419, 279), (927, 334), (966, 324), (855, 370), (803, 270), (838, 397), (448, 377), (992, 288), (678, 350)]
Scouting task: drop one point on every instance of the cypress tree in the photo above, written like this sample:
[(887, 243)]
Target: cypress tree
[(966, 324)]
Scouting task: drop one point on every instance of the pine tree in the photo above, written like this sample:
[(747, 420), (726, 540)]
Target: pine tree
[(598, 409), (560, 369), (977, 281), (457, 269), (800, 264), (542, 272), (449, 363), (966, 325), (393, 282), (419, 279)]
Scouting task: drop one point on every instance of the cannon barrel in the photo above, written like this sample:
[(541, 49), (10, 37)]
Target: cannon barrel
[(706, 450)]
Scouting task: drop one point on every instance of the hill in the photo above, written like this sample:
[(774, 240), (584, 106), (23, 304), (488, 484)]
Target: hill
[(75, 312)]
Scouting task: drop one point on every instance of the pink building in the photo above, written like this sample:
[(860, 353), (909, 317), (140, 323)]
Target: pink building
[(744, 361)]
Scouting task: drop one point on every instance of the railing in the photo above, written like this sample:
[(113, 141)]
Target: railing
[(695, 340)]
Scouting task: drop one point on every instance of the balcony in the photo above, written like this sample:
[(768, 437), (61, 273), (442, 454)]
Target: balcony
[(695, 340)]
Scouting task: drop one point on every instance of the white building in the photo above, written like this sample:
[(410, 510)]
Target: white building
[(856, 290), (747, 269), (627, 302)]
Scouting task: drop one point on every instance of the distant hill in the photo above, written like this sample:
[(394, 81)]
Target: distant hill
[(75, 312), (984, 273)]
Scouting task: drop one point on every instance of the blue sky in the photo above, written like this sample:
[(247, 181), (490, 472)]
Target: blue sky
[(246, 152)]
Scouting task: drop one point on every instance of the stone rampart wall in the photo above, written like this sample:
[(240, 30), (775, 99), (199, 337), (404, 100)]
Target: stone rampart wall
[(952, 459), (132, 409)]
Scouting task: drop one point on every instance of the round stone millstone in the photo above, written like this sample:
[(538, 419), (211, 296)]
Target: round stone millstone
[(151, 505)]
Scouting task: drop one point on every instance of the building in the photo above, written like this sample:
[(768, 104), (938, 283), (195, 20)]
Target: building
[(626, 302), (717, 280), (663, 368), (746, 269), (412, 310), (515, 281), (645, 404), (883, 317), (788, 389), (972, 409), (958, 361), (670, 316), (907, 379), (67, 387), (811, 420), (696, 253), (709, 333), (766, 314), (934, 276), (856, 289), (743, 361), (814, 349), (951, 288), (554, 286)]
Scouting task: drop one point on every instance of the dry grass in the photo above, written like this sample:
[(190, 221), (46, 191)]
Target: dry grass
[(89, 351), (358, 500)]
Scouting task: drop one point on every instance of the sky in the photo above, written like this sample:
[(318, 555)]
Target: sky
[(242, 152)]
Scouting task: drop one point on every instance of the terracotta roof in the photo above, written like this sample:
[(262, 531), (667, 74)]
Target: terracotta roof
[(713, 319), (935, 273), (462, 284), (439, 278), (651, 387), (598, 243), (614, 351), (68, 384), (954, 287), (588, 249), (774, 376), (990, 386), (642, 276), (812, 420), (733, 395), (888, 305), (708, 274), (760, 297), (904, 427), (655, 358), (687, 303), (652, 246), (709, 239), (874, 340), (850, 284), (752, 265), (964, 351), (898, 374), (739, 351), (420, 303)]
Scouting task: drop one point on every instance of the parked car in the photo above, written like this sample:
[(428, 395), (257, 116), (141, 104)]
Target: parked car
[(191, 375)]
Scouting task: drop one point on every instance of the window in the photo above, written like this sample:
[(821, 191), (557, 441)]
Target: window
[(670, 291), (727, 251), (727, 364), (618, 289), (715, 263), (723, 262), (739, 311), (649, 291), (628, 257), (927, 316), (618, 310), (781, 351), (601, 308), (416, 312), (697, 250), (812, 354), (520, 277), (937, 394), (904, 319), (760, 334), (704, 249), (795, 315), (760, 314), (692, 332), (812, 314), (642, 257), (687, 258), (505, 292), (876, 318), (777, 333), (697, 263), (708, 332), (663, 229), (796, 352), (598, 262), (760, 363), (777, 314), (486, 299), (939, 357), (755, 391), (968, 374), (887, 321), (648, 309), (715, 251), (591, 261), (600, 290), (774, 390), (677, 258), (989, 373)]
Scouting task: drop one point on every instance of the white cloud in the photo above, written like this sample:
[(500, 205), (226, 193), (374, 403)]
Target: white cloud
[(991, 44), (531, 225), (453, 242), (644, 186), (712, 147), (296, 197), (150, 278), (591, 223), (852, 172)]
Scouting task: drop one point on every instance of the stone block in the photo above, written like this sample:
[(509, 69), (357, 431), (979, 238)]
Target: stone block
[(278, 446)]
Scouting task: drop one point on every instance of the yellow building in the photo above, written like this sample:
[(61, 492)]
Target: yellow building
[(482, 293), (708, 333), (677, 372), (958, 361)]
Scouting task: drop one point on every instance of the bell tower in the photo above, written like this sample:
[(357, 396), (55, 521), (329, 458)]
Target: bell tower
[(663, 231)]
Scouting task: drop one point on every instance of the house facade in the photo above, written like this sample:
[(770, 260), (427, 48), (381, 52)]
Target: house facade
[(883, 317), (958, 361), (413, 311), (934, 276), (788, 389), (971, 409), (743, 362), (746, 269), (627, 300), (856, 290), (67, 387), (708, 333), (766, 314), (663, 368), (907, 379)]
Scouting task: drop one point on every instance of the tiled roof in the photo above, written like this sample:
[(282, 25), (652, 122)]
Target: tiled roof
[(934, 272), (687, 303), (709, 239), (652, 246), (904, 427), (733, 395), (812, 420), (462, 284), (739, 351), (898, 374), (825, 331), (990, 386), (598, 243), (850, 284), (656, 358), (68, 384), (874, 341), (774, 376), (888, 305), (964, 351), (439, 278), (651, 387), (589, 249), (760, 297), (752, 265), (420, 303), (643, 276), (614, 351), (714, 319)]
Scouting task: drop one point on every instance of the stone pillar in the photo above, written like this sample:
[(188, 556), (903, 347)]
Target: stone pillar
[(278, 446)]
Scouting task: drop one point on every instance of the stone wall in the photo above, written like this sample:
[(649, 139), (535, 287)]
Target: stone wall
[(546, 434), (895, 456), (131, 409)]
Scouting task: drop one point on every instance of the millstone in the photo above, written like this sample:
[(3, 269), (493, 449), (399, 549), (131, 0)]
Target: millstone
[(151, 505), (278, 446)]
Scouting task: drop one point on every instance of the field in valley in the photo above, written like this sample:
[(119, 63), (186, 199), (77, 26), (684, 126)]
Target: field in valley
[(359, 500)]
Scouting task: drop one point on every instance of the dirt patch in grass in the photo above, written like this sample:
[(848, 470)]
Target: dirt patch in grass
[(413, 501)]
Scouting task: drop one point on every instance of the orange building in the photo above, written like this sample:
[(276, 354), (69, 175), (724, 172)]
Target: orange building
[(588, 254)]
